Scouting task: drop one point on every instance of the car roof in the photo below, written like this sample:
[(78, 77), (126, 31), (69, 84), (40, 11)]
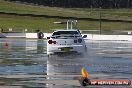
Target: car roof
[(66, 30)]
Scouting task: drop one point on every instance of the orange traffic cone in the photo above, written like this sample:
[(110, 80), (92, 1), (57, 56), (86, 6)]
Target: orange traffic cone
[(6, 44)]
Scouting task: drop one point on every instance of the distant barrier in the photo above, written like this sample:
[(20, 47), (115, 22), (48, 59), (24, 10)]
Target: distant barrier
[(89, 36), (14, 35), (109, 37), (34, 35)]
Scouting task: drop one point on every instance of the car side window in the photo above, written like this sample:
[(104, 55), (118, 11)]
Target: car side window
[(56, 33)]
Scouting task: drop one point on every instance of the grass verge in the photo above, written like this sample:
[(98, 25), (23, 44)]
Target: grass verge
[(88, 19)]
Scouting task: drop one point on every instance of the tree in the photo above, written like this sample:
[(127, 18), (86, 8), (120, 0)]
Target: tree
[(82, 3)]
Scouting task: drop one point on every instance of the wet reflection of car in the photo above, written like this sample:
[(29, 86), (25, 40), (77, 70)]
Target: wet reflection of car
[(66, 65), (66, 41)]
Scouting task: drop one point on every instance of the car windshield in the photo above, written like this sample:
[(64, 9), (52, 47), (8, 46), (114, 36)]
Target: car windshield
[(66, 33)]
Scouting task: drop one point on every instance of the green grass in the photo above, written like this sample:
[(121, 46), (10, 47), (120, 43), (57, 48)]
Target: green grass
[(30, 23), (20, 23), (65, 12), (40, 10)]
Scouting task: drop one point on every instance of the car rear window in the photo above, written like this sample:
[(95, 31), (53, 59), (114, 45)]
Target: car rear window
[(65, 33)]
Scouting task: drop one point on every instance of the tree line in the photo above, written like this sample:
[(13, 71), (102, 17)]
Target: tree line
[(82, 3)]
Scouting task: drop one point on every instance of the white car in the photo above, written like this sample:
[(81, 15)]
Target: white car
[(66, 41)]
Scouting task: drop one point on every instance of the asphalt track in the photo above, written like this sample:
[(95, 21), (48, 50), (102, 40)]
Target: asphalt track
[(106, 59), (74, 82)]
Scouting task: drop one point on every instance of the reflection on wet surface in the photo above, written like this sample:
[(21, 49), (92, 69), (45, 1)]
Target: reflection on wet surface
[(25, 60)]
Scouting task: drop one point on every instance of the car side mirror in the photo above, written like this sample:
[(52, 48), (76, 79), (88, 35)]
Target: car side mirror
[(84, 36), (48, 37)]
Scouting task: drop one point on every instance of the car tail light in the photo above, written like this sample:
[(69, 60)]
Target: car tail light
[(79, 40), (50, 42), (54, 42), (75, 41)]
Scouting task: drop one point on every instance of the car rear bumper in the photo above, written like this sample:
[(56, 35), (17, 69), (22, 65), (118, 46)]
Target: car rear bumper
[(66, 49)]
